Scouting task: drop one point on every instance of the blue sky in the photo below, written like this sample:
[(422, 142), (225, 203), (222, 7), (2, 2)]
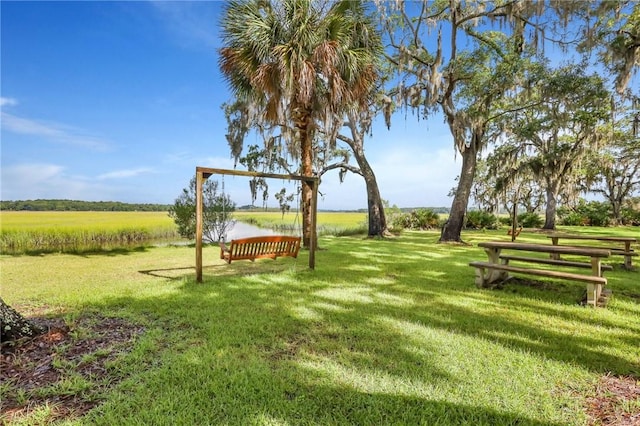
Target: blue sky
[(120, 101)]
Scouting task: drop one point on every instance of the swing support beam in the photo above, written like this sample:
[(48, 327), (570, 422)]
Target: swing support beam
[(203, 173)]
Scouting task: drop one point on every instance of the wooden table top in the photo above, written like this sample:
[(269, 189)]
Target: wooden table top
[(593, 237), (546, 248)]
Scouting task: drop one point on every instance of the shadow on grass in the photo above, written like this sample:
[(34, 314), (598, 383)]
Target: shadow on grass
[(239, 355), (116, 251), (386, 332)]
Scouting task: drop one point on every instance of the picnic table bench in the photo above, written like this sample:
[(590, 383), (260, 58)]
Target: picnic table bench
[(270, 246), (627, 251), (498, 266)]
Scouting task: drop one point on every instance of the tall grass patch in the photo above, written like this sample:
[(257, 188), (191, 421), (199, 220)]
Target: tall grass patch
[(43, 232), (328, 223)]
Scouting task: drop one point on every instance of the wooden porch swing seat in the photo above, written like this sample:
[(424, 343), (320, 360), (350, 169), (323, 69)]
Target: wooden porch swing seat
[(269, 246)]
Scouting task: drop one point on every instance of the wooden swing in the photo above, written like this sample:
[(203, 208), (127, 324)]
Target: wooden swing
[(269, 246), (252, 248)]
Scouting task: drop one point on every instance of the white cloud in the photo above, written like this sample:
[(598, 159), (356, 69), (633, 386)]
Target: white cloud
[(54, 132), (127, 173), (48, 181), (7, 102)]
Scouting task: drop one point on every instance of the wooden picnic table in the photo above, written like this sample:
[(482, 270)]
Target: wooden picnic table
[(497, 267), (627, 251)]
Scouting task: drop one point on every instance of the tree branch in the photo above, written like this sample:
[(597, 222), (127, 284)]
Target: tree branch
[(346, 166)]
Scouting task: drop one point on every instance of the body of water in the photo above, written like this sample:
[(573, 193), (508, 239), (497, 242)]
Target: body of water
[(239, 230)]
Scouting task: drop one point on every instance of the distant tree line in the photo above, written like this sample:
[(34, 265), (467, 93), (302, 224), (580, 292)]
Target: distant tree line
[(77, 205)]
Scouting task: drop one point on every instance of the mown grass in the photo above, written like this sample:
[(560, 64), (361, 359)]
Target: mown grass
[(382, 332), (45, 232)]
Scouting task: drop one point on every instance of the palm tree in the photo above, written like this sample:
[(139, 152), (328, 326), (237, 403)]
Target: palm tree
[(301, 64)]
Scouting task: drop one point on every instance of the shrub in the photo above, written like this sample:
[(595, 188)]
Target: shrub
[(571, 219), (592, 213), (477, 219), (529, 220), (630, 216), (598, 213), (216, 215), (504, 220), (417, 219)]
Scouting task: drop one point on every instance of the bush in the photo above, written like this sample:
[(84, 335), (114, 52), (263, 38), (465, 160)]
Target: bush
[(417, 219), (216, 215), (530, 220), (504, 220), (477, 219), (592, 213), (571, 219), (630, 216)]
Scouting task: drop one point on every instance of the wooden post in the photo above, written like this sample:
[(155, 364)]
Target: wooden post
[(627, 257), (594, 291), (199, 205), (514, 220), (314, 217), (555, 256)]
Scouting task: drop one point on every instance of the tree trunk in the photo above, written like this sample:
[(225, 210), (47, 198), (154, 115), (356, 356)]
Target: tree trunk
[(452, 229), (306, 161), (616, 210), (377, 218), (550, 211), (14, 326)]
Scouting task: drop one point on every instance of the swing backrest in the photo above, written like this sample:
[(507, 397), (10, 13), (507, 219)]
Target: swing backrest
[(271, 246)]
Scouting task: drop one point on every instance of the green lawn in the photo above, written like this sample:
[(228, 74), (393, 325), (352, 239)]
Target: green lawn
[(382, 332)]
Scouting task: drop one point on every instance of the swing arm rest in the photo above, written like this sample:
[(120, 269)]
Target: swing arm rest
[(224, 250)]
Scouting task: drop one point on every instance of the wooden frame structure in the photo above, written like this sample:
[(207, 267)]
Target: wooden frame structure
[(203, 173)]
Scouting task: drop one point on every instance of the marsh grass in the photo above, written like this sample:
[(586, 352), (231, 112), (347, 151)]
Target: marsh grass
[(387, 331), (75, 232), (26, 232), (329, 223)]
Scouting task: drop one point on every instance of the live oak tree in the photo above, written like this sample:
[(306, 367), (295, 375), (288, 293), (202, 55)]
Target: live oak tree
[(503, 180), (433, 73), (460, 58), (359, 125), (614, 171), (300, 65), (555, 137), (620, 176), (328, 156), (611, 29)]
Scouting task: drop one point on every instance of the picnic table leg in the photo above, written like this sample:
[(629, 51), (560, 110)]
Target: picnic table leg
[(494, 275), (594, 291), (481, 280)]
